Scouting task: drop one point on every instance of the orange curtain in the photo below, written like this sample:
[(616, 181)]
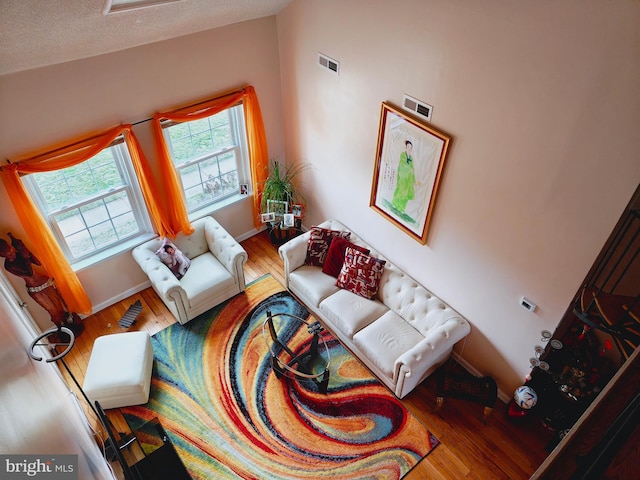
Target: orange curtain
[(45, 247), (256, 139)]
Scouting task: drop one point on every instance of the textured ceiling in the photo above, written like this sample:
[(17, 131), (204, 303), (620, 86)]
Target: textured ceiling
[(36, 33)]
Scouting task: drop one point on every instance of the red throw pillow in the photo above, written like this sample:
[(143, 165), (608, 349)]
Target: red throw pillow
[(360, 273), (318, 245), (335, 255)]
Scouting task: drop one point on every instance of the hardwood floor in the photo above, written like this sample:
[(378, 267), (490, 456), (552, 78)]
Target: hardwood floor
[(501, 449)]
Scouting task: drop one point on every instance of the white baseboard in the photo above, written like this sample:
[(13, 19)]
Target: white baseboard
[(120, 297), (249, 234)]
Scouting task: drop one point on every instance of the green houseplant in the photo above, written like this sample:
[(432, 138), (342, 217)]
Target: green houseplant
[(282, 184)]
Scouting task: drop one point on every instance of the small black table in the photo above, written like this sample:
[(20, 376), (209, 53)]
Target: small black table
[(160, 461), (279, 234)]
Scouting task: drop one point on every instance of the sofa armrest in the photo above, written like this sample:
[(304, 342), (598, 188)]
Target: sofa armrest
[(162, 279), (294, 254), (226, 249), (429, 350)]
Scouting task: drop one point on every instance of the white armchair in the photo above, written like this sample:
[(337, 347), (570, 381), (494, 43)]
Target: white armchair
[(215, 275)]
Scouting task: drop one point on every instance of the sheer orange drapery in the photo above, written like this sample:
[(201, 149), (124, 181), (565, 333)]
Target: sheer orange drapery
[(256, 140), (43, 242)]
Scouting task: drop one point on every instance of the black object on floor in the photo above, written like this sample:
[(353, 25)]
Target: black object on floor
[(465, 386), (130, 315)]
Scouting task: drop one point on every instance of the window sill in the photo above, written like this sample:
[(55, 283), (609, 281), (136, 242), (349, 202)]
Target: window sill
[(208, 210), (112, 252), (134, 242)]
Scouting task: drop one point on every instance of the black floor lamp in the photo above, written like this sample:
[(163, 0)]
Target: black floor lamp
[(53, 344)]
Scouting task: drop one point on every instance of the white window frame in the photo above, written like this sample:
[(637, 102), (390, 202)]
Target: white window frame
[(238, 132), (131, 188)]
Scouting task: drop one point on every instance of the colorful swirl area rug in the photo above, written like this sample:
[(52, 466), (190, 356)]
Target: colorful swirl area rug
[(229, 416)]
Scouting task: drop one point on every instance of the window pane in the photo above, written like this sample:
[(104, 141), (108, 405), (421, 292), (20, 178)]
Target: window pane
[(222, 131), (103, 234), (207, 154), (125, 225), (202, 143), (118, 204), (180, 141), (80, 242), (209, 179), (80, 182), (98, 224), (70, 222), (93, 205), (94, 213)]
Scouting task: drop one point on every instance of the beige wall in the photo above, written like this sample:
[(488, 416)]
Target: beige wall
[(542, 101), (44, 106)]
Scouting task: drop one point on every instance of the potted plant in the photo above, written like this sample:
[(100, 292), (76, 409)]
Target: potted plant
[(282, 185)]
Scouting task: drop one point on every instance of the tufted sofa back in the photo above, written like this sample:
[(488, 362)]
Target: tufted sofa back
[(403, 295), (406, 297), (195, 244)]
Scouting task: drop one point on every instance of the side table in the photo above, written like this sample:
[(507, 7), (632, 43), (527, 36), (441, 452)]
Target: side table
[(307, 362), (157, 459), (279, 234)]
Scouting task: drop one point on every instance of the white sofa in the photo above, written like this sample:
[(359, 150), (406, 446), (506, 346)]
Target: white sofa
[(215, 275), (402, 335)]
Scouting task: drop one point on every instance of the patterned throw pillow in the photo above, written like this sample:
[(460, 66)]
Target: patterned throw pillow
[(318, 245), (361, 273), (335, 255), (173, 258)]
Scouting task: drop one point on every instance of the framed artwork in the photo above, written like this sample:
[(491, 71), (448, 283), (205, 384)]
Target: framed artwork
[(278, 207), (268, 217), (410, 158), (288, 220), (297, 210), (244, 189)]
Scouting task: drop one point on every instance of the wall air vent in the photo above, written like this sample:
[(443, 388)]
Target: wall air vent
[(416, 106), (329, 63)]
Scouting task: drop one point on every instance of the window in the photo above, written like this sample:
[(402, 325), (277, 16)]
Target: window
[(210, 156), (93, 206)]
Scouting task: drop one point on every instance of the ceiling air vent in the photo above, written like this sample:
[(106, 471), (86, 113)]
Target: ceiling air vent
[(416, 106), (115, 6), (329, 63)]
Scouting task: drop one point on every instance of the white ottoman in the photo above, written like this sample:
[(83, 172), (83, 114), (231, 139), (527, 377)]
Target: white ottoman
[(119, 370)]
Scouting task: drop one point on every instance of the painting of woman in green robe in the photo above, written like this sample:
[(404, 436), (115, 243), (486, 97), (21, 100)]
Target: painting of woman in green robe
[(409, 161), (406, 179)]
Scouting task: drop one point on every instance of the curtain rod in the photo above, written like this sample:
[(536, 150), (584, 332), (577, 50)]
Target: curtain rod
[(201, 102), (54, 150), (206, 100), (48, 152), (142, 121)]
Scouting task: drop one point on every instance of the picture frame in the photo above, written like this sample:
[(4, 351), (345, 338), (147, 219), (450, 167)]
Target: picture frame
[(268, 217), (244, 189), (278, 207), (288, 220), (297, 210), (410, 158)]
